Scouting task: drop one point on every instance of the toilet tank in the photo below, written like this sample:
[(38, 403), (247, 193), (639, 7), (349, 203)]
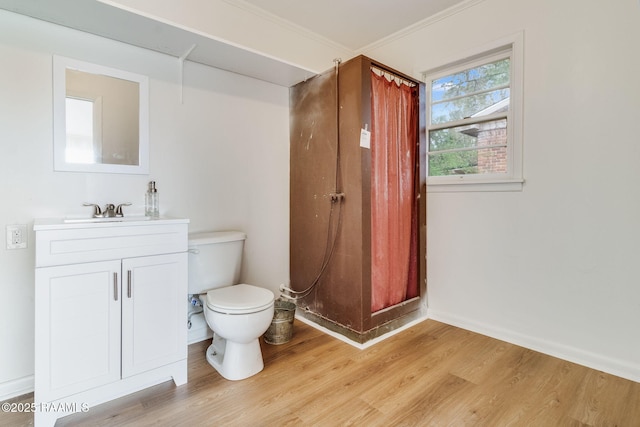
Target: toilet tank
[(215, 259)]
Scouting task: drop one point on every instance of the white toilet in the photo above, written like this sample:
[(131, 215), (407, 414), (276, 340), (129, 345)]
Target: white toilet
[(238, 314)]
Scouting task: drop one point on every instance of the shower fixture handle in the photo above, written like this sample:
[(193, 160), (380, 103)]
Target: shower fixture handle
[(336, 197)]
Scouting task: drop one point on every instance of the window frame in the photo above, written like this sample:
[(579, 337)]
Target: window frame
[(512, 180)]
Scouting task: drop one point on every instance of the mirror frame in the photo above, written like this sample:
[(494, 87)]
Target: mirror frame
[(60, 65)]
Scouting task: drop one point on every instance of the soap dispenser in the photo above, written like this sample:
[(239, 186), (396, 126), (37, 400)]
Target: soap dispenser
[(151, 201)]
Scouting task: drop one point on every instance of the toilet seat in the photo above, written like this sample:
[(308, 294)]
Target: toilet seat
[(239, 299)]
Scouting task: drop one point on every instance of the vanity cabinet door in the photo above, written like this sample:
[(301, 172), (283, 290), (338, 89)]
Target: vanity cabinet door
[(77, 327), (154, 312)]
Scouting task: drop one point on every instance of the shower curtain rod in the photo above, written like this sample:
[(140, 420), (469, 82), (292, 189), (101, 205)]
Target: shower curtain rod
[(392, 76)]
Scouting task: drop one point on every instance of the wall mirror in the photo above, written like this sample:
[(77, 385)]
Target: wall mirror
[(101, 118)]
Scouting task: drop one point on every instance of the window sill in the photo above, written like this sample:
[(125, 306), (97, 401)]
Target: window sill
[(475, 185)]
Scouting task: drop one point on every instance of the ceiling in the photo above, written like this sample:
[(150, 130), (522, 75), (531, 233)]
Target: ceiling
[(353, 23)]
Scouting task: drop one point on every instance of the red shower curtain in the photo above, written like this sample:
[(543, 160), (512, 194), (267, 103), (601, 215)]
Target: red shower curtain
[(394, 218)]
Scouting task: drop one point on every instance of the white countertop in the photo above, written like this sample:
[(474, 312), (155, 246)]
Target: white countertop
[(86, 222)]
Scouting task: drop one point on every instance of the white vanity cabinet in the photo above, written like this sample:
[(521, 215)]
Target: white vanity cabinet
[(110, 312)]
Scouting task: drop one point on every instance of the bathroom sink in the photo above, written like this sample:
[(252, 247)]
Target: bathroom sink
[(107, 219)]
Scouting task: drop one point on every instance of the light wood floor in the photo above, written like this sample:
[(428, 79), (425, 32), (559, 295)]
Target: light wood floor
[(429, 375)]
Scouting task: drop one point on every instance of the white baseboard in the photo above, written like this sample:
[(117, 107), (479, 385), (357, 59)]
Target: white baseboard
[(620, 368), (14, 388), (356, 344)]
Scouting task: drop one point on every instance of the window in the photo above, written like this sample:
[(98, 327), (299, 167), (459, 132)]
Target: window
[(474, 122), (80, 131)]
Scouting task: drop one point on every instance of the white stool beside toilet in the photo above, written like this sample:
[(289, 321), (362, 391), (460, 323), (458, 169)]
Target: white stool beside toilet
[(238, 314)]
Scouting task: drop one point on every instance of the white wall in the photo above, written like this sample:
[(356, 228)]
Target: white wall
[(554, 267), (220, 159)]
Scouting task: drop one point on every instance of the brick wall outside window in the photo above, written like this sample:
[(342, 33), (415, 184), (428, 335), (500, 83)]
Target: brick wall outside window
[(492, 160)]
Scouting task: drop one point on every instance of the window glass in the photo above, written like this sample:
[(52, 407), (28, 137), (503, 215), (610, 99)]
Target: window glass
[(79, 125), (471, 149), (469, 118)]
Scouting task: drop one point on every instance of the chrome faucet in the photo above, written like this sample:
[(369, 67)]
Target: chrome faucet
[(109, 211)]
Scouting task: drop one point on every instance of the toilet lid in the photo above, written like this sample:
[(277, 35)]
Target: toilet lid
[(239, 299)]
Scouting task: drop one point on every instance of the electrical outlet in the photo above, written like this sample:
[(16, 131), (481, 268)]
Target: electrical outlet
[(17, 236)]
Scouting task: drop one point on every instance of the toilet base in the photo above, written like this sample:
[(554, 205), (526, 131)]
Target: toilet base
[(235, 361)]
